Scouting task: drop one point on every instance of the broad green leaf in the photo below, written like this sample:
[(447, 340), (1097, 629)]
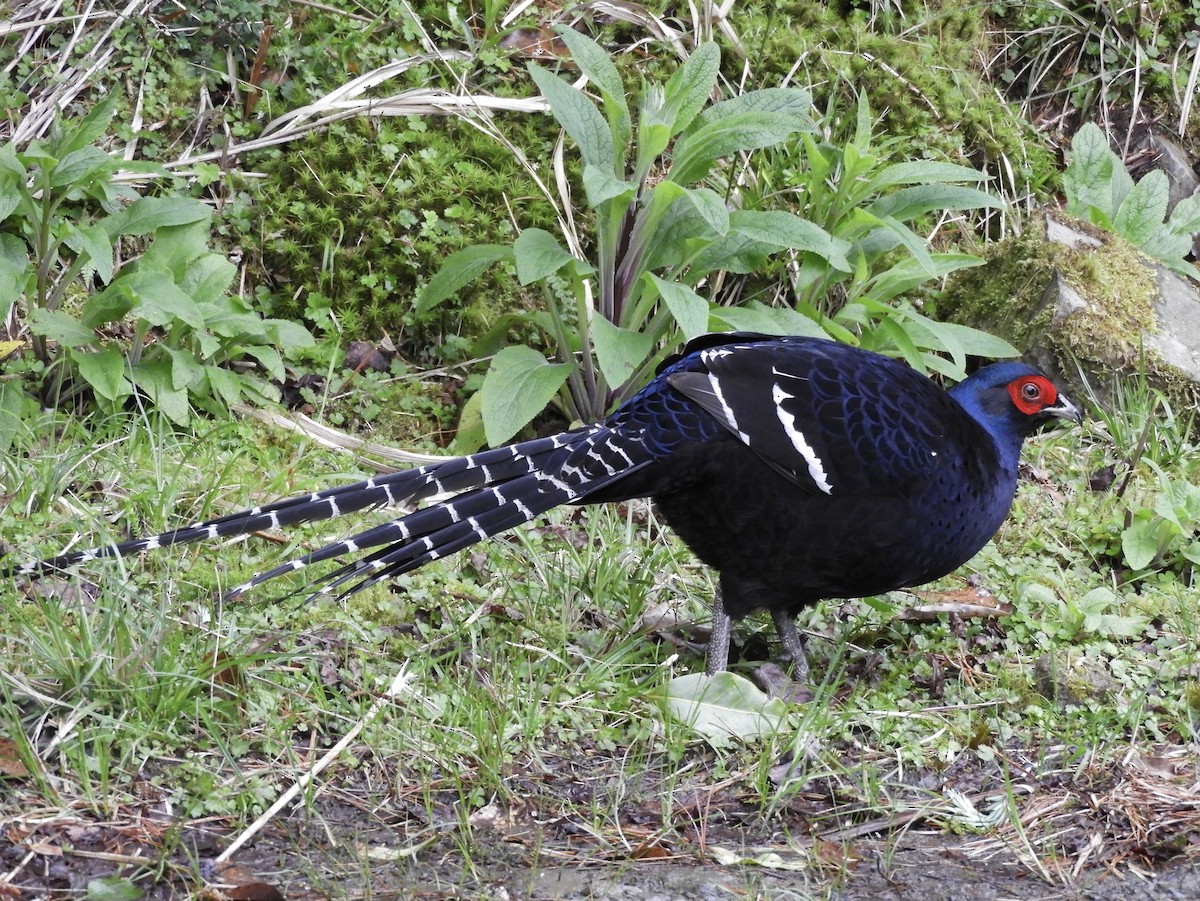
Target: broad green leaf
[(92, 241), (690, 87), (175, 247), (757, 317), (155, 377), (10, 195), (109, 305), (14, 249), (38, 155), (943, 339), (724, 708), (901, 341), (908, 203), (518, 385), (1143, 210), (1095, 606), (711, 207), (652, 140), (917, 247), (1089, 178), (17, 410), (290, 336), (225, 385), (1180, 504), (601, 185), (1139, 542), (594, 62), (186, 370), (737, 252), (1185, 218), (268, 357), (579, 118), (12, 283), (974, 343), (688, 308), (784, 101), (208, 278), (461, 268), (960, 341), (619, 351), (856, 163), (923, 172), (10, 166), (148, 214), (61, 327), (79, 133), (209, 346), (1167, 245), (160, 301), (469, 435), (696, 151), (104, 370), (496, 336), (80, 167), (538, 255), (779, 229), (910, 273)]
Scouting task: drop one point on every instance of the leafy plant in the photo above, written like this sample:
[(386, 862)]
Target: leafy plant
[(613, 321), (1100, 189), (1166, 533), (65, 232), (854, 192)]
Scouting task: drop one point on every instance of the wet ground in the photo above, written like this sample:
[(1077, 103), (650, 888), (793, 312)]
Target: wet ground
[(1124, 826), (322, 854)]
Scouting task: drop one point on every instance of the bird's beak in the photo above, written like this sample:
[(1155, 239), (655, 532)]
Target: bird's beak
[(1064, 409)]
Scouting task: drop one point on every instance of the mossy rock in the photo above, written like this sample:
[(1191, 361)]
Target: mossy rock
[(1077, 300)]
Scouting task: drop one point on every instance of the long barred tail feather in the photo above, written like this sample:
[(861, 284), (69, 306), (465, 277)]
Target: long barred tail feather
[(582, 466), (489, 492), (424, 536)]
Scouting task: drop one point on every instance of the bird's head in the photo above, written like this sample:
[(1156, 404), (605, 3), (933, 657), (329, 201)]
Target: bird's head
[(1013, 400)]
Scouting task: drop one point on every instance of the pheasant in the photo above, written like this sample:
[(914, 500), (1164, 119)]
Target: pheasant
[(798, 468)]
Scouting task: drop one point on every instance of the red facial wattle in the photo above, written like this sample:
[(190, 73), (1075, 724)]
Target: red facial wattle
[(1032, 393)]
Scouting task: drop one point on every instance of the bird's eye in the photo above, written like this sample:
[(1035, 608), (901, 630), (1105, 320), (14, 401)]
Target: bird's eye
[(1030, 391)]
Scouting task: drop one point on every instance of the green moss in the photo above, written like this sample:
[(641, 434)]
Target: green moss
[(944, 110), (363, 213)]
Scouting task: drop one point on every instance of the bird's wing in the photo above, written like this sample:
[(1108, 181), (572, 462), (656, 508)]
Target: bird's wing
[(827, 418)]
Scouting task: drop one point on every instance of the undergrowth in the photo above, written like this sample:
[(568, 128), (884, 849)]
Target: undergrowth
[(536, 662)]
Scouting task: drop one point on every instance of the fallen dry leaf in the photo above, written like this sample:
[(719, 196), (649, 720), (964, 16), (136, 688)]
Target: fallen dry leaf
[(11, 765)]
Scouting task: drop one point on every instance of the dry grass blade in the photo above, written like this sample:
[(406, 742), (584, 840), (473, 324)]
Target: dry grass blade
[(1189, 92), (1133, 811), (72, 72), (333, 439)]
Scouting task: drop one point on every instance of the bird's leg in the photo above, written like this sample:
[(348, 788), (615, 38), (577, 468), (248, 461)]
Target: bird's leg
[(793, 644), (718, 645)]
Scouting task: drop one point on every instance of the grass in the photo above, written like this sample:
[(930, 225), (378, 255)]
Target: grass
[(530, 711), (138, 714)]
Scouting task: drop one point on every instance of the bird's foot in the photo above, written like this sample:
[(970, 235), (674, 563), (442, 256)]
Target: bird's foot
[(775, 681)]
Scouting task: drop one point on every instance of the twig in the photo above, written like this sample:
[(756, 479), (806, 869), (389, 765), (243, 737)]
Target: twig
[(399, 684)]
